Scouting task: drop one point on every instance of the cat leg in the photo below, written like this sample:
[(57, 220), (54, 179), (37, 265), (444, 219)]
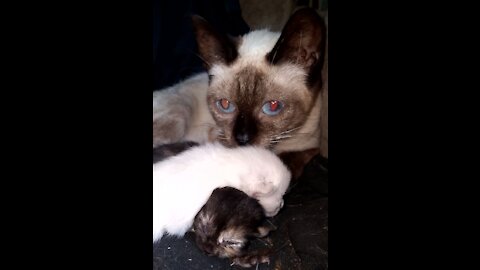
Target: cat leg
[(171, 117), (296, 161)]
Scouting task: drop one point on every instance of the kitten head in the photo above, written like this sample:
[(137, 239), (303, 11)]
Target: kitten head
[(226, 222), (263, 85)]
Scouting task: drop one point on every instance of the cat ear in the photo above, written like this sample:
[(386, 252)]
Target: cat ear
[(302, 42), (204, 224), (214, 47)]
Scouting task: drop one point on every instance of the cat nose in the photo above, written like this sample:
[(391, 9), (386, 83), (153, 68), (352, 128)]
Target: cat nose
[(244, 129), (242, 139)]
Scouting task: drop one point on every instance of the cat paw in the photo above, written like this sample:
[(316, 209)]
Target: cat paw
[(250, 260)]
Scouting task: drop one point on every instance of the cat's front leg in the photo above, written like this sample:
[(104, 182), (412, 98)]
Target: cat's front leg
[(171, 117), (180, 113), (296, 161)]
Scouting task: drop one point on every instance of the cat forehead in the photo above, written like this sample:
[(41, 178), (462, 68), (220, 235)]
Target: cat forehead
[(249, 74), (257, 44), (252, 75)]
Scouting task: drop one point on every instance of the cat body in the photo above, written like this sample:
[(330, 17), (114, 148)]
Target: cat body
[(180, 114), (260, 89), (183, 183), (227, 222)]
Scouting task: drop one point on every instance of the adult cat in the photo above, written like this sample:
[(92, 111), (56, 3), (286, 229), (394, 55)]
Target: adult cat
[(261, 89)]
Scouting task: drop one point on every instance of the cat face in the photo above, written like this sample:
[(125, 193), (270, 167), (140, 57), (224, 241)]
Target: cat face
[(257, 105), (262, 86)]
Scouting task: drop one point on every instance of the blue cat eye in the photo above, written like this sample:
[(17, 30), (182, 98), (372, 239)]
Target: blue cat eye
[(224, 105), (272, 107)]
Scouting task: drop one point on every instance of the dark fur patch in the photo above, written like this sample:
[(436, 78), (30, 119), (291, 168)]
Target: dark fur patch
[(302, 42), (213, 46), (234, 215), (167, 150), (296, 161)]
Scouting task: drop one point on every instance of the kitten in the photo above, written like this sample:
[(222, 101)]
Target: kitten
[(227, 222), (260, 89), (183, 183)]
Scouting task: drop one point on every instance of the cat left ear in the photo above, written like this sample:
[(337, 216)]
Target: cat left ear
[(214, 47), (302, 43)]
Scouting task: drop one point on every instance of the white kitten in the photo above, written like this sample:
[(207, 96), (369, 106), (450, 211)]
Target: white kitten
[(182, 184)]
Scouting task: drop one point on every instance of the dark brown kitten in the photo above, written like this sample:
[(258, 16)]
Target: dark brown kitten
[(227, 222)]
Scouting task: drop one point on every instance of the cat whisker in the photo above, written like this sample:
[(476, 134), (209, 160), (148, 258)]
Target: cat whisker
[(221, 134), (222, 138), (282, 137), (290, 130), (304, 134)]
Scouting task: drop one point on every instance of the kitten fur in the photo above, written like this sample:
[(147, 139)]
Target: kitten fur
[(227, 222), (183, 183), (249, 71)]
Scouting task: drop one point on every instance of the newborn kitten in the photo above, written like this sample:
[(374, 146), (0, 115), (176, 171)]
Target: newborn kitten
[(227, 222), (183, 183)]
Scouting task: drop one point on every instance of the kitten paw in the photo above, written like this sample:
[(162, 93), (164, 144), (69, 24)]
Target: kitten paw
[(250, 260)]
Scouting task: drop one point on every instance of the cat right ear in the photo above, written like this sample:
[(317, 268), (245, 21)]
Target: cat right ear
[(214, 47), (302, 42)]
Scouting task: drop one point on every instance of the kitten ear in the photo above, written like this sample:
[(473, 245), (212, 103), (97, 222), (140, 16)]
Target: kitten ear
[(213, 46), (302, 42)]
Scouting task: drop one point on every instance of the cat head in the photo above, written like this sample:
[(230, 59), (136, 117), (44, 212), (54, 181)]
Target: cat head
[(263, 85), (226, 222)]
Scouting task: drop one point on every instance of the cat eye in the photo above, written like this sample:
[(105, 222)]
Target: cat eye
[(272, 107), (225, 105)]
